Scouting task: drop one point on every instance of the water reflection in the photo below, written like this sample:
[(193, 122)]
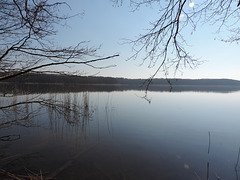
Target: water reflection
[(17, 111), (65, 116), (74, 117), (236, 165), (117, 135)]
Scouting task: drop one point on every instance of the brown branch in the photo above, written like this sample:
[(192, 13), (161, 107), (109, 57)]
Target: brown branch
[(55, 64)]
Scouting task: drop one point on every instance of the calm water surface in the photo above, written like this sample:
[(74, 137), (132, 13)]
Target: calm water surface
[(179, 135)]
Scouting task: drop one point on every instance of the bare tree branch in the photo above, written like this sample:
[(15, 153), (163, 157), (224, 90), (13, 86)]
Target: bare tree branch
[(26, 27), (27, 30), (164, 44), (88, 62)]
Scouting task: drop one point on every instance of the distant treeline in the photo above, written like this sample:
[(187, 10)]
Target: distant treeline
[(40, 83), (199, 82), (72, 79), (69, 79)]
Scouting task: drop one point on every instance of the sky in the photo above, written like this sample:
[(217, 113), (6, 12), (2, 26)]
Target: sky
[(107, 26)]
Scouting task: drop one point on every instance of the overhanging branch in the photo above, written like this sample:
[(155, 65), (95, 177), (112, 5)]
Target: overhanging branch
[(88, 62)]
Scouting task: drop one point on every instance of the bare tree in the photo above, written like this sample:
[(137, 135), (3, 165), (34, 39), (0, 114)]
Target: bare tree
[(27, 29), (164, 43)]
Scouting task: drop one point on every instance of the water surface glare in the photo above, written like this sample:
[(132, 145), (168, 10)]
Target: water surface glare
[(179, 135)]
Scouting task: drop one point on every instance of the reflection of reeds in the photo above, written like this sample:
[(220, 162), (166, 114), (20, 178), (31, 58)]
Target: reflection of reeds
[(236, 165), (208, 170), (19, 111), (71, 108), (208, 164), (69, 112), (73, 116), (209, 142), (108, 113)]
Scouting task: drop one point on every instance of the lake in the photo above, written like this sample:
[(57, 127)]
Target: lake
[(120, 135)]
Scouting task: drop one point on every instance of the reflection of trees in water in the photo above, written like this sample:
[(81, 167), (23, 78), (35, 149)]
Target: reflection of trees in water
[(108, 113), (68, 114), (73, 117), (64, 113), (63, 109), (18, 110), (236, 165), (210, 171)]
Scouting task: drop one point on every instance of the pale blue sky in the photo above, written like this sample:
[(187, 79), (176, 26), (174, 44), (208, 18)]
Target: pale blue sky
[(103, 24)]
